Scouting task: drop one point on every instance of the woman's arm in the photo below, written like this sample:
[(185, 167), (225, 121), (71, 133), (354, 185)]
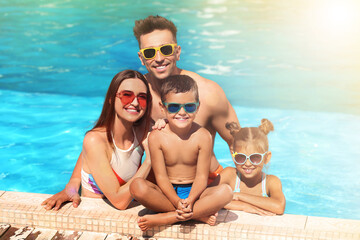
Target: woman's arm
[(69, 193), (95, 151), (274, 203)]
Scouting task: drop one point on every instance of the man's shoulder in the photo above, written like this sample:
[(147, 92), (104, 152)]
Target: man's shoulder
[(200, 80), (203, 134)]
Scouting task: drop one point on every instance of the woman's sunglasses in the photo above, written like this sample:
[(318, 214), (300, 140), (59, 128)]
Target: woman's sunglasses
[(128, 97), (255, 158), (175, 107), (165, 50)]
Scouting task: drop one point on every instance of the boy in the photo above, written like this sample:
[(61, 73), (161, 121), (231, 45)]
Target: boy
[(180, 159)]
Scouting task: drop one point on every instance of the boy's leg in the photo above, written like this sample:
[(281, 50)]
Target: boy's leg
[(210, 202), (150, 195)]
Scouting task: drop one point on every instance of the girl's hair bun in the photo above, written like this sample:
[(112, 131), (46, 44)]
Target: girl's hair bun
[(234, 127), (266, 126)]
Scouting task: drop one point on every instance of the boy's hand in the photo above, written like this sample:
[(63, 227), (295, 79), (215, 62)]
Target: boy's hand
[(184, 210), (160, 124)]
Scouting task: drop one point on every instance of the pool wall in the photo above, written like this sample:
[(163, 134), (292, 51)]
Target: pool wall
[(97, 216)]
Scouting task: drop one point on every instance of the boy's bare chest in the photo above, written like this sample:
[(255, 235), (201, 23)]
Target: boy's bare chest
[(180, 153)]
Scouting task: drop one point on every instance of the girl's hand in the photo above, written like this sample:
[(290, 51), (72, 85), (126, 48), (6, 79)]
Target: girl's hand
[(69, 194), (253, 209), (160, 124)]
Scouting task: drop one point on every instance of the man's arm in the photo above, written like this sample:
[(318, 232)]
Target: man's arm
[(223, 112)]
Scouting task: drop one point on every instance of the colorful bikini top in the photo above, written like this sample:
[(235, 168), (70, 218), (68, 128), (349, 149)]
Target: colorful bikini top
[(263, 184), (124, 163)]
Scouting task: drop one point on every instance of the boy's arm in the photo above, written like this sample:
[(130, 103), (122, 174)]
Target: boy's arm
[(159, 168), (274, 203), (203, 166)]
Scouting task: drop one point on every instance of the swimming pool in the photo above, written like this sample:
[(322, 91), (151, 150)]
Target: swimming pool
[(57, 59)]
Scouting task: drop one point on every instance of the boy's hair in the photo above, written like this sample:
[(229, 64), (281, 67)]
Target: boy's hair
[(251, 135), (178, 84), (151, 23)]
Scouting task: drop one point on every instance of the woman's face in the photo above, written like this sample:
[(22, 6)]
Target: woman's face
[(130, 101)]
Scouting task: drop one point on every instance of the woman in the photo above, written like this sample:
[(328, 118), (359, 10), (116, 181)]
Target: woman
[(112, 150)]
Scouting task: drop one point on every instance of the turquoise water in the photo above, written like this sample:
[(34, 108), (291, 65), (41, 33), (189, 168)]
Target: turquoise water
[(57, 59)]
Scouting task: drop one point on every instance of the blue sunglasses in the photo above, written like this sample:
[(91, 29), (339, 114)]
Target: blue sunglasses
[(175, 107)]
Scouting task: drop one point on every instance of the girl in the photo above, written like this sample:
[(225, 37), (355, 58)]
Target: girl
[(113, 148), (254, 191)]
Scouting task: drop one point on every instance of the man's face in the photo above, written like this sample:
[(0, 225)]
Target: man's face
[(160, 66)]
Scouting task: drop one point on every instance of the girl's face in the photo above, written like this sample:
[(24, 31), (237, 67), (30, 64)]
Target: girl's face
[(249, 170), (130, 101)]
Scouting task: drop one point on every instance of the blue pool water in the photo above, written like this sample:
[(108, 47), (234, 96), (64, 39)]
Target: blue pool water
[(57, 59)]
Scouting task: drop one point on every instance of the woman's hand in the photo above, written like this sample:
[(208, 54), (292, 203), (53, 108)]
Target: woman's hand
[(160, 124), (69, 194)]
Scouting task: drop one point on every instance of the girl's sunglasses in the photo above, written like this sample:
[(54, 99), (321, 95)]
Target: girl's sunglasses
[(255, 158), (165, 50), (175, 107), (128, 97)]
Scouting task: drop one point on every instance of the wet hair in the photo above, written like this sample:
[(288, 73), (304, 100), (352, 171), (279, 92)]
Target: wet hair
[(152, 23), (178, 84), (251, 135), (107, 116)]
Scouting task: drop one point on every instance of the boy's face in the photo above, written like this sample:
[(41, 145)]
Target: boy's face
[(186, 113), (160, 66)]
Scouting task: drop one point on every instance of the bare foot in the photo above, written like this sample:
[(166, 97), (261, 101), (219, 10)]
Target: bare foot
[(211, 220), (150, 221)]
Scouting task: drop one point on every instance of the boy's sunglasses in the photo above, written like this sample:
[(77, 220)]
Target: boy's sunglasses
[(128, 97), (165, 50), (175, 107), (255, 158)]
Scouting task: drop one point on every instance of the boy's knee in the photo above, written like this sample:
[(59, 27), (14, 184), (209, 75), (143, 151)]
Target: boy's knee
[(136, 187), (225, 191)]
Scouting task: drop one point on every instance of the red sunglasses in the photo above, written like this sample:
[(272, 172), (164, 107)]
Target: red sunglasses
[(128, 97)]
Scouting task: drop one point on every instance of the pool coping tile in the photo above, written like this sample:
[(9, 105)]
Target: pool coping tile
[(98, 215)]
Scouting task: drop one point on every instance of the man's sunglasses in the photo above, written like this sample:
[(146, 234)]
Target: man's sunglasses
[(165, 50), (175, 107), (255, 158), (128, 97)]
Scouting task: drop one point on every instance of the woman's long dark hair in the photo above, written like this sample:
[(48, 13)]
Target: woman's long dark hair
[(107, 116)]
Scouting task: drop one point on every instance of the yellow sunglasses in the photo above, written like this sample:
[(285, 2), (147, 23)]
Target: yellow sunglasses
[(165, 50)]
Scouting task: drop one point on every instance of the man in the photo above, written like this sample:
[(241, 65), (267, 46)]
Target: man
[(159, 53)]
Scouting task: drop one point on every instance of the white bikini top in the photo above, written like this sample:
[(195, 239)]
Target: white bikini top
[(124, 163), (263, 183)]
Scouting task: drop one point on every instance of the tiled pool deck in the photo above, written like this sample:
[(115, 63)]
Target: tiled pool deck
[(96, 219)]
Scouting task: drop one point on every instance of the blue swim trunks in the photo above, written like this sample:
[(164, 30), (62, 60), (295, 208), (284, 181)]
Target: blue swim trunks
[(182, 190)]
